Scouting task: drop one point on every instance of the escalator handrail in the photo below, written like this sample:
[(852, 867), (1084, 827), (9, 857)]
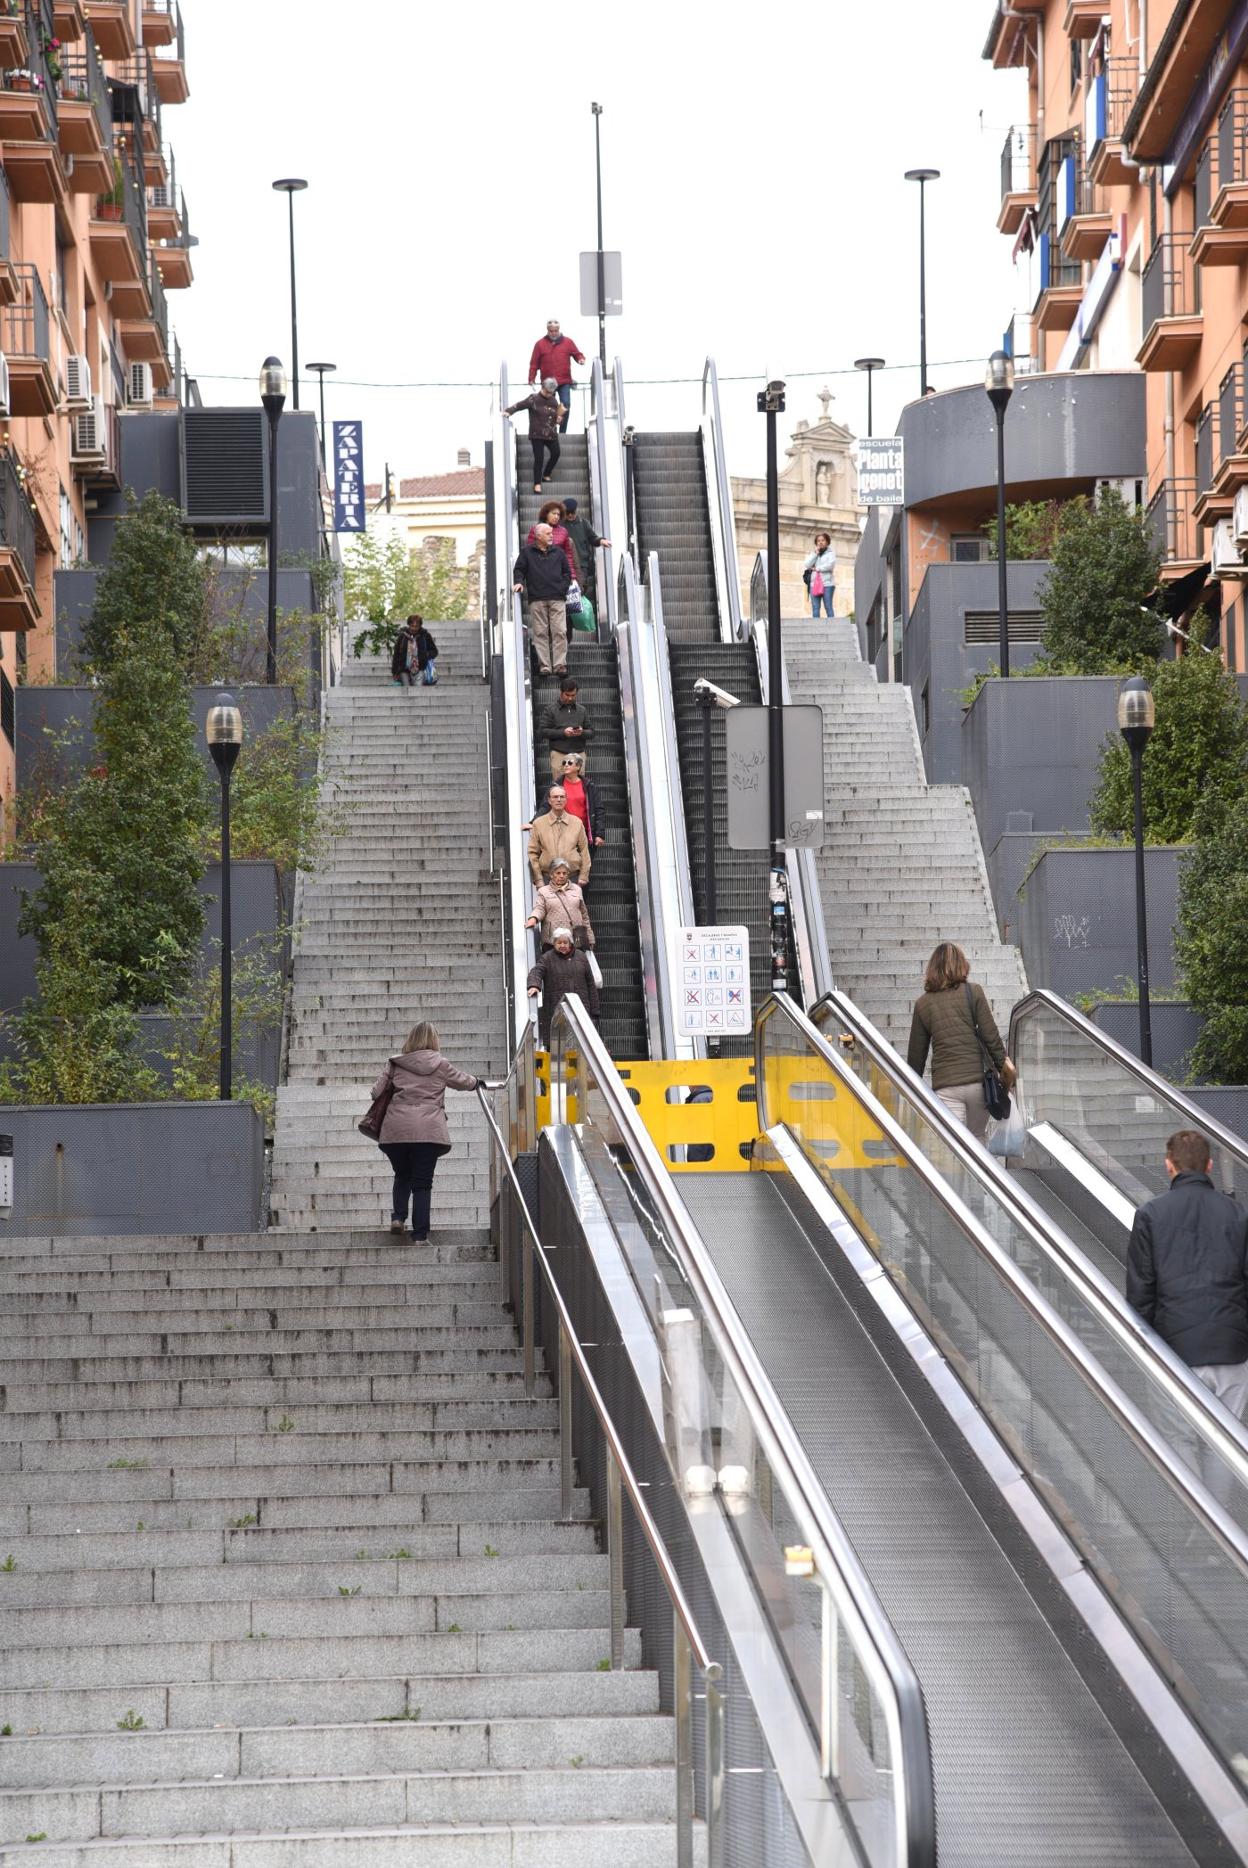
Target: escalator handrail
[(1204, 1507), (1185, 1390), (723, 524), (1152, 1080), (521, 785), (599, 496), (875, 1640), (644, 815)]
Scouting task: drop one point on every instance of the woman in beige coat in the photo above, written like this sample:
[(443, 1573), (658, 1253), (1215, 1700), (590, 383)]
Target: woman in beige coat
[(560, 903), (414, 1131)]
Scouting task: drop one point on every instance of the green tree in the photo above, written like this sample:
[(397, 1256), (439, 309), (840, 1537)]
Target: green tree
[(153, 581), (1199, 748), (1031, 529), (1211, 945), (276, 805), (384, 582), (1098, 600)]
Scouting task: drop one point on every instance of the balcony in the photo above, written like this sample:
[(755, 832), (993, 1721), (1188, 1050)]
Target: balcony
[(1224, 241), (8, 276), (1018, 178), (1231, 461), (119, 235), (1083, 18), (1173, 528), (28, 115), (12, 39), (145, 338), (18, 609), (69, 22), (85, 121), (1061, 288), (1087, 223), (25, 114), (136, 105), (25, 342), (1111, 93), (169, 61), (1208, 505), (158, 23), (1170, 303), (173, 255), (110, 21)]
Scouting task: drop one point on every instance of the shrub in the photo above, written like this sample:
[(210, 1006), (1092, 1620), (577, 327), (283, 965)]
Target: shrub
[(1211, 946), (276, 807), (153, 582), (384, 581), (1098, 598), (1031, 529)]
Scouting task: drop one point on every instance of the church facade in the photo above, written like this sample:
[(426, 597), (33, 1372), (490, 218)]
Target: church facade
[(818, 493)]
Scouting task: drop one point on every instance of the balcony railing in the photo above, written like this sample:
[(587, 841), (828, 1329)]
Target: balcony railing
[(135, 97), (134, 198), (42, 60), (1170, 520), (82, 78), (176, 52), (17, 521), (1169, 287), (1204, 450), (1018, 161), (25, 324), (1203, 184), (160, 304), (1233, 139), (1230, 407), (165, 194)]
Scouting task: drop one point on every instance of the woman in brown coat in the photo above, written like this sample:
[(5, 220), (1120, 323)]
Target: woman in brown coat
[(414, 1131), (944, 1022), (561, 970), (559, 903)]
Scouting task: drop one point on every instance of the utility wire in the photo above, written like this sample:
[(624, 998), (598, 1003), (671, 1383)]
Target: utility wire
[(641, 382)]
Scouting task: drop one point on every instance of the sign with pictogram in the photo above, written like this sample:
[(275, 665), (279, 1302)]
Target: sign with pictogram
[(712, 974)]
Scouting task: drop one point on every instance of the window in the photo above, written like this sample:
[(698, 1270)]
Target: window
[(968, 548), (6, 706), (1076, 64), (235, 554), (73, 543)]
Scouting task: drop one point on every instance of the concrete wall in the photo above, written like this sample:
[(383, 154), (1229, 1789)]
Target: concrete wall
[(244, 591), (937, 657), (102, 1169), (1174, 1026), (43, 712), (1077, 919)]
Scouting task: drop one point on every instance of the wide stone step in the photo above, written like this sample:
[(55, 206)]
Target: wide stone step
[(372, 1514)]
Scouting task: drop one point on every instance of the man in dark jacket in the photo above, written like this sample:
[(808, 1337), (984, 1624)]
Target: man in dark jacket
[(541, 573), (565, 725), (552, 356), (544, 410), (1187, 1271), (585, 542)]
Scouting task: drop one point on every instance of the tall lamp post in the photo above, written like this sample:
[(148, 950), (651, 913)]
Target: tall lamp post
[(290, 186), (771, 404), (224, 733), (999, 382), (1136, 718), (602, 263), (922, 177), (273, 396), (870, 365), (321, 369)]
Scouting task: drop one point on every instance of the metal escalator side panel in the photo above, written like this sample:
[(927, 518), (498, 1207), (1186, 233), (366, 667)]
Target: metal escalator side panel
[(510, 647)]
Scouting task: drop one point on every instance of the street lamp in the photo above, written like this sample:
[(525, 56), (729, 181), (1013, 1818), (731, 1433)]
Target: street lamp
[(273, 396), (290, 186), (321, 369), (922, 177), (1136, 718), (602, 263), (870, 365), (771, 404), (224, 733), (999, 382)]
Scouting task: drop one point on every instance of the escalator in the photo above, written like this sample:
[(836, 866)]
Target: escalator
[(593, 661), (1073, 1600)]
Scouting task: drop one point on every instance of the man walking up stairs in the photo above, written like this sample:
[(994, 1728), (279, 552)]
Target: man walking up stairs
[(901, 865), (398, 923)]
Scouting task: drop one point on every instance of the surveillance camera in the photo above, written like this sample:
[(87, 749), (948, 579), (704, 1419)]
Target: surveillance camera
[(704, 688)]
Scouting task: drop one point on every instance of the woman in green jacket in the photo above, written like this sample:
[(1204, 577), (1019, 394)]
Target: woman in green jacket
[(944, 1023)]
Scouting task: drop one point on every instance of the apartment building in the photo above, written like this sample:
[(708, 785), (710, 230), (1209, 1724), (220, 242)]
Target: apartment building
[(1126, 196), (93, 236)]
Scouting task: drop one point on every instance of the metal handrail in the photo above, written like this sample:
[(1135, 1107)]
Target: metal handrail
[(600, 494), (522, 791), (1215, 1519), (1185, 1391), (837, 1565), (723, 536), (622, 1480)]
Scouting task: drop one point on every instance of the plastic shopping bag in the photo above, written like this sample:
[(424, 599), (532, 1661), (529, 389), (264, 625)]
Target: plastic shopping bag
[(573, 598), (594, 967), (1010, 1137)]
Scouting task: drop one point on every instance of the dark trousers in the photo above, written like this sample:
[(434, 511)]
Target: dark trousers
[(549, 449), (413, 1164)]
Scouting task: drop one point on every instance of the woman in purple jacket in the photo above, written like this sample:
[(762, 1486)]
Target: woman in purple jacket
[(414, 1131)]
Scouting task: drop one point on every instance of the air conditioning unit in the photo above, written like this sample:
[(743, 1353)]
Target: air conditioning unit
[(78, 382), (1226, 559), (139, 386), (90, 432), (5, 403), (1239, 516), (1129, 491)]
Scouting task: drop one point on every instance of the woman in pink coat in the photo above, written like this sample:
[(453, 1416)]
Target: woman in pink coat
[(414, 1131)]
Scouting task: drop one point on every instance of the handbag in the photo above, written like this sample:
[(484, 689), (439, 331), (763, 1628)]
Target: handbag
[(817, 579), (996, 1095), (370, 1124), (429, 673), (807, 574)]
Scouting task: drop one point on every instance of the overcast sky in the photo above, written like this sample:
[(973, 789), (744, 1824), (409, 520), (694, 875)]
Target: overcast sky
[(752, 160)]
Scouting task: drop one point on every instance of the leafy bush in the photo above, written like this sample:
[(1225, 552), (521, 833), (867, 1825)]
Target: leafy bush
[(153, 583), (194, 1049), (1100, 616), (1031, 529), (384, 582), (276, 805), (1199, 747), (1211, 945)]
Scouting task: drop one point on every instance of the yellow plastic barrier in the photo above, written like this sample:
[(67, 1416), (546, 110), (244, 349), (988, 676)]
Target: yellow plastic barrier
[(720, 1129)]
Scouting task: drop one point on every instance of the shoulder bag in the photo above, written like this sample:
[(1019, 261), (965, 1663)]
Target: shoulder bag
[(996, 1095), (370, 1124)]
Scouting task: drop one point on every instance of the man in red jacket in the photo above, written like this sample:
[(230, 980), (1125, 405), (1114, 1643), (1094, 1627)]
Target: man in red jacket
[(553, 356)]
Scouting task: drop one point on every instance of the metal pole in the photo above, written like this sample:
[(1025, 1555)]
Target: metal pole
[(682, 1718), (270, 666), (714, 1767), (708, 814), (324, 449), (1003, 600), (226, 1086), (565, 1426), (1141, 908), (771, 401), (602, 263), (615, 1559), (922, 289), (870, 407), (526, 1309), (294, 309)]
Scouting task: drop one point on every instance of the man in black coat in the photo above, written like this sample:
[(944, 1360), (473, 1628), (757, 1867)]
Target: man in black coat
[(541, 573), (1187, 1272)]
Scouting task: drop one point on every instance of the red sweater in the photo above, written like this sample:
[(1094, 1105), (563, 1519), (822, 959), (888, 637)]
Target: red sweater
[(553, 359), (578, 804)]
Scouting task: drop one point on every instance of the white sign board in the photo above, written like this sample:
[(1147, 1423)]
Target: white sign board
[(712, 974), (881, 470)]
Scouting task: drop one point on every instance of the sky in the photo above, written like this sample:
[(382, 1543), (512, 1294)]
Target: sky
[(752, 178)]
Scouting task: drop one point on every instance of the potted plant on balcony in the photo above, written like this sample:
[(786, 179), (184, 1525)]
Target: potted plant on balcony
[(51, 53), (111, 206), (19, 79)]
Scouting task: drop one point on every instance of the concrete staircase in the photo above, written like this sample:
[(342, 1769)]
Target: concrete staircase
[(398, 923), (282, 1578), (901, 866)]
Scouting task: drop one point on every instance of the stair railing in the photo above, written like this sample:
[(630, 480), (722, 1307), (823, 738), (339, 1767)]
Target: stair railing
[(520, 948), (719, 497)]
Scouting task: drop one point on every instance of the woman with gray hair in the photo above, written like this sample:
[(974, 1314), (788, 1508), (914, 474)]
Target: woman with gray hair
[(561, 970), (560, 903), (544, 409), (414, 1134)]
